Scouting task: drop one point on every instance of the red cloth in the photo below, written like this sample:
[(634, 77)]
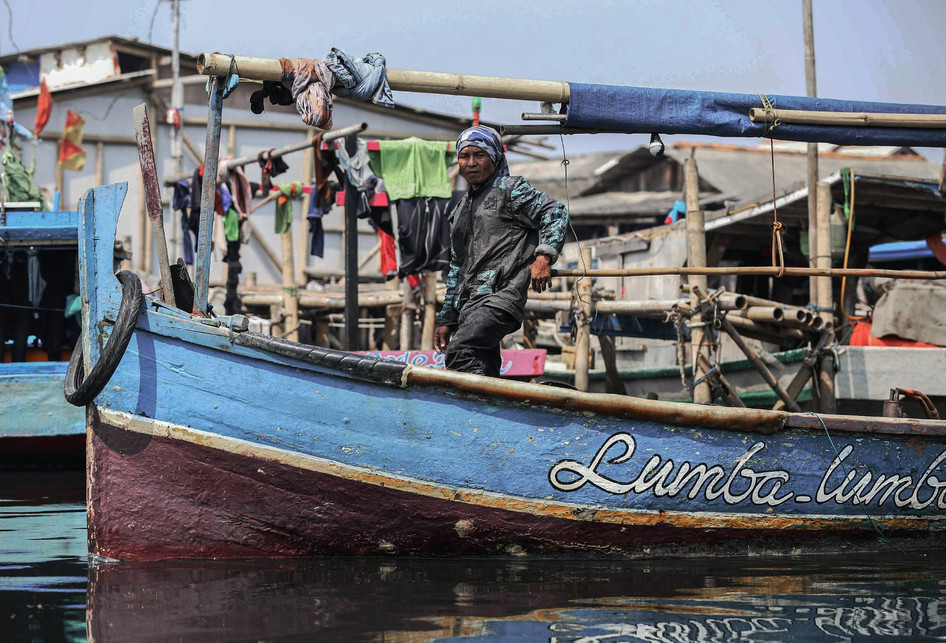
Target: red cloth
[(862, 337), (44, 107), (388, 254)]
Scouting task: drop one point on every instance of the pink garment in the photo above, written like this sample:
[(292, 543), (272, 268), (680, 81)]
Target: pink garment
[(312, 84)]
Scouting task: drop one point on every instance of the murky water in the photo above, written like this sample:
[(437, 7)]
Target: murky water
[(49, 593)]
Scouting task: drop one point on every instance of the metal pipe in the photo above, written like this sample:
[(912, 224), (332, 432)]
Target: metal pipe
[(280, 151)]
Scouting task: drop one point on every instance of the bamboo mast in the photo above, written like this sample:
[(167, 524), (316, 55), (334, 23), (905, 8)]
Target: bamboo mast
[(814, 250), (696, 257), (551, 91)]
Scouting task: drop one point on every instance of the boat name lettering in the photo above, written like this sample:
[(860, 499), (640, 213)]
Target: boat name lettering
[(841, 483), (662, 478)]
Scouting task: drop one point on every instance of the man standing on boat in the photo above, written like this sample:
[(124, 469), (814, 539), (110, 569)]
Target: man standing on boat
[(504, 236)]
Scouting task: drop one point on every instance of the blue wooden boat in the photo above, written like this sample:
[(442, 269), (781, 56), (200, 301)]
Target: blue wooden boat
[(36, 424), (207, 440)]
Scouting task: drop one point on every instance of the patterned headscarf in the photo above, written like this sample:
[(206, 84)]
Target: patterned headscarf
[(488, 139)]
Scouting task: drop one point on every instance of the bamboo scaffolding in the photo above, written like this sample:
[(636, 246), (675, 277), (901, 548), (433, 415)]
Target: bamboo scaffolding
[(551, 91)]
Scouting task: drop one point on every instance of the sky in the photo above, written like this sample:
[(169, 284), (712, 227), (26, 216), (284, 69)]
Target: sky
[(872, 50)]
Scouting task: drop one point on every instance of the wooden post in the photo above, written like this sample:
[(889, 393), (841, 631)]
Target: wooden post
[(392, 315), (351, 266), (814, 250), (696, 257), (308, 176), (430, 311), (407, 317), (142, 229), (289, 291), (826, 387), (152, 194), (583, 341)]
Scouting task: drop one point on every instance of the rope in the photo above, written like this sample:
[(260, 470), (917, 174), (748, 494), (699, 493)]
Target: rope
[(848, 176), (778, 255), (837, 454), (581, 257), (770, 116)]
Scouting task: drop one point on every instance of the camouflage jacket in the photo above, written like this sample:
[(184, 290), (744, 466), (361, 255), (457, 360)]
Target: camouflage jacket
[(495, 234)]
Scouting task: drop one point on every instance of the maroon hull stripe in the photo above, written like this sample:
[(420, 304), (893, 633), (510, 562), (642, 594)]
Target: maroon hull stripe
[(154, 497)]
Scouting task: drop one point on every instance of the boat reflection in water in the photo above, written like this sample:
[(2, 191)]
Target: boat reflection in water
[(400, 599)]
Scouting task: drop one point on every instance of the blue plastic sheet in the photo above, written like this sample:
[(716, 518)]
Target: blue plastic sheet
[(676, 111)]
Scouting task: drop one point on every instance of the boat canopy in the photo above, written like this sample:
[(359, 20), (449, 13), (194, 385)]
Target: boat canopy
[(676, 111)]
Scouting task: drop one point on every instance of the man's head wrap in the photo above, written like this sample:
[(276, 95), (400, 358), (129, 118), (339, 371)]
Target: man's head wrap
[(488, 139)]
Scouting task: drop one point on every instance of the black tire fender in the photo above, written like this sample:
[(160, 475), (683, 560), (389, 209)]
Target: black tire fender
[(80, 389)]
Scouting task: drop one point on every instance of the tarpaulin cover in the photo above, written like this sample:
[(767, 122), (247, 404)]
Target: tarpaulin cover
[(677, 111)]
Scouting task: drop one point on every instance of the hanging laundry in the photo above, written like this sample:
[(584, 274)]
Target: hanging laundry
[(275, 91), (316, 231), (181, 202), (353, 158), (288, 191), (271, 166), (311, 88), (19, 183), (423, 233), (309, 83), (413, 167), (37, 285), (365, 79), (388, 254)]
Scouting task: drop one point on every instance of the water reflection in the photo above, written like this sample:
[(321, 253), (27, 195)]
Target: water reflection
[(46, 583), (42, 556), (379, 599)]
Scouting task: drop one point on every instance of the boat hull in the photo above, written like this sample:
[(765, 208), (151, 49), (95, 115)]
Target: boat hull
[(210, 441), (36, 423)]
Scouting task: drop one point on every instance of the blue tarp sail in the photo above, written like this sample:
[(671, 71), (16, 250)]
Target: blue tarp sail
[(676, 111)]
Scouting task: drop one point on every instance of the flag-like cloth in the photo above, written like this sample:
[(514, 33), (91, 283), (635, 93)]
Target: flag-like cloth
[(44, 107), (71, 154)]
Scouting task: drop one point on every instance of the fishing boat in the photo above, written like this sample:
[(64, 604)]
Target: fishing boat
[(36, 424), (208, 440)]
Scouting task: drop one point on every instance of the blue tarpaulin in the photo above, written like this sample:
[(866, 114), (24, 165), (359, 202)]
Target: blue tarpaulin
[(899, 251), (676, 111)]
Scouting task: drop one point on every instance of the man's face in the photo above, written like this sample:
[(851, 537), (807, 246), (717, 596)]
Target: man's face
[(475, 165)]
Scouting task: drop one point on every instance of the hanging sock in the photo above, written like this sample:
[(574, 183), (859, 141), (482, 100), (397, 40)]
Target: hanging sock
[(288, 191)]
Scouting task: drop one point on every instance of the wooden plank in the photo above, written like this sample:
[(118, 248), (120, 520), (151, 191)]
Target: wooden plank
[(152, 192)]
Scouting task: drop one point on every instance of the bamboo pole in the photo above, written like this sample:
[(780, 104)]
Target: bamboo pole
[(583, 341), (281, 151), (696, 257), (552, 91), (811, 91), (770, 271), (849, 119), (826, 371), (430, 311)]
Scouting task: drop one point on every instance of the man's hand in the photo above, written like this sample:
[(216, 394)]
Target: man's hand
[(541, 273), (442, 338)]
